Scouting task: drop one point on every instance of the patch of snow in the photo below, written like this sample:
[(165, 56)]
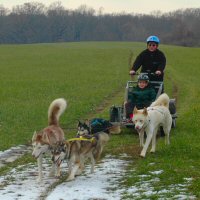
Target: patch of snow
[(104, 184), (21, 184), (144, 175), (12, 154), (188, 179), (99, 185), (184, 197), (157, 172)]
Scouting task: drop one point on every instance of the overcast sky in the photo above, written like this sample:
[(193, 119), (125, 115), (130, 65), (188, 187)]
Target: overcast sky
[(113, 6)]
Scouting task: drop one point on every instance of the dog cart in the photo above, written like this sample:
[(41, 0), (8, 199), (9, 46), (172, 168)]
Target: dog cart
[(118, 113)]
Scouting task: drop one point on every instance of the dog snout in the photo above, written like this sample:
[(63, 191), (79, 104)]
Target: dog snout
[(34, 153), (137, 127), (35, 156)]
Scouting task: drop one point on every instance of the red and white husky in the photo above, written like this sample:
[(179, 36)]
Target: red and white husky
[(150, 119), (50, 136)]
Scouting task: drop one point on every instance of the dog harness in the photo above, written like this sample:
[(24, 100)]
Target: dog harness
[(81, 138), (157, 109), (146, 124)]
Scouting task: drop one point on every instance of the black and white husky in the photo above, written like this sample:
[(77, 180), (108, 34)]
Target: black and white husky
[(81, 148), (96, 126)]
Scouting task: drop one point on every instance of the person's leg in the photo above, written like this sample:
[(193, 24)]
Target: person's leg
[(129, 109)]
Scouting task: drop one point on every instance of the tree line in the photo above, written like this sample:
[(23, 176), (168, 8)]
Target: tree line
[(35, 23)]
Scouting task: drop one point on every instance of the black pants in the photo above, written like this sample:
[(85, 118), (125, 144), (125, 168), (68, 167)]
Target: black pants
[(129, 107)]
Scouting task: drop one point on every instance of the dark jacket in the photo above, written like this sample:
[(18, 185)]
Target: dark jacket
[(142, 97), (151, 61)]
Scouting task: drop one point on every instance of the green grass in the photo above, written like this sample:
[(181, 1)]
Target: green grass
[(181, 159), (34, 75), (87, 74)]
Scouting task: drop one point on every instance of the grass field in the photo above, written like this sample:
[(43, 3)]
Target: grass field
[(87, 74), (34, 75)]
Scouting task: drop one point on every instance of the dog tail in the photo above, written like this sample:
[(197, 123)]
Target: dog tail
[(162, 100), (56, 109), (115, 129)]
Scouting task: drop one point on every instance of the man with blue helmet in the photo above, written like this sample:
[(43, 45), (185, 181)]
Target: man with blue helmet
[(151, 60)]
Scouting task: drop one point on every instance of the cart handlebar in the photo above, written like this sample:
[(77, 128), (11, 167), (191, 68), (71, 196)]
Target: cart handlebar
[(147, 73)]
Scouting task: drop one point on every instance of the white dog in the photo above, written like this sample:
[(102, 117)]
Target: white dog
[(149, 120)]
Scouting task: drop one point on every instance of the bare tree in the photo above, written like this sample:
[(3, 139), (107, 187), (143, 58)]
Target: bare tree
[(33, 22)]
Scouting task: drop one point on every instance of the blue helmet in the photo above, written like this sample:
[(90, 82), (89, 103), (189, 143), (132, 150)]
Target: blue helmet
[(153, 38)]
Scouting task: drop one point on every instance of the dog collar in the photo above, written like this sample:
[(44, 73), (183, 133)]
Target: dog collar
[(146, 124)]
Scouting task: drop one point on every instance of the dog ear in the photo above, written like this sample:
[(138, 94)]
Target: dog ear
[(135, 110), (67, 143), (62, 143), (45, 138), (87, 122), (79, 122), (67, 146), (34, 136), (145, 111)]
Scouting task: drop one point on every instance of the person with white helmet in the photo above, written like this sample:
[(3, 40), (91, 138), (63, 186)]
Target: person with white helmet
[(151, 60)]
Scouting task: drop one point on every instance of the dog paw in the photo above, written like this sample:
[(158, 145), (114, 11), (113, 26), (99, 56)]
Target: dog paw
[(39, 179), (142, 155), (78, 173), (51, 174), (70, 178), (152, 151), (57, 176)]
